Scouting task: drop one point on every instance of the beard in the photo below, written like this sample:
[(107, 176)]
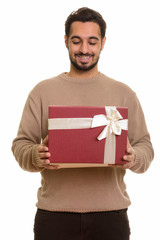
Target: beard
[(83, 67)]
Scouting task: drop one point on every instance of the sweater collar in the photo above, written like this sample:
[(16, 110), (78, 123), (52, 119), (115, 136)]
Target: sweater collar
[(80, 80)]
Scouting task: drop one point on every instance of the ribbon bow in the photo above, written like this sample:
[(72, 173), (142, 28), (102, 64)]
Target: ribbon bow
[(113, 122)]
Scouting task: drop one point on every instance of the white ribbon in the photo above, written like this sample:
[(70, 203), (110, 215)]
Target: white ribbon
[(112, 121), (113, 126)]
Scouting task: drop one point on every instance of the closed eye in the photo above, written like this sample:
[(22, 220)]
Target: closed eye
[(76, 42), (92, 43)]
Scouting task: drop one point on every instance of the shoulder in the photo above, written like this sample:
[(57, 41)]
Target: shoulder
[(115, 83), (44, 86), (116, 86)]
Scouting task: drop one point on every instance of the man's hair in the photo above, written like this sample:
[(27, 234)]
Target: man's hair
[(85, 15)]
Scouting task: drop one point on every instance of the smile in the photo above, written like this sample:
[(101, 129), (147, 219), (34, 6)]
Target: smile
[(84, 58)]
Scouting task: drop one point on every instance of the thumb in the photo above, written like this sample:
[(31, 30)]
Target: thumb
[(128, 143), (45, 141), (129, 147)]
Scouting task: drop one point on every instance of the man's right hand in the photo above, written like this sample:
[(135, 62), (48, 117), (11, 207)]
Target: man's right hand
[(43, 153)]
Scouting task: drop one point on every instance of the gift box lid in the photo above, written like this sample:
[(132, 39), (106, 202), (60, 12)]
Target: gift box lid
[(80, 145)]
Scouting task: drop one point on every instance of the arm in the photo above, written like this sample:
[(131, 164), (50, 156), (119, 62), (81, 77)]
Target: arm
[(25, 145), (139, 138), (27, 148), (139, 152), (144, 154)]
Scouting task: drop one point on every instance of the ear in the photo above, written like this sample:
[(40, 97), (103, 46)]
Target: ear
[(103, 43), (66, 41)]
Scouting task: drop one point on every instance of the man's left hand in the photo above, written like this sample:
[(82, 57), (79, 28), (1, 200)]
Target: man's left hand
[(129, 157)]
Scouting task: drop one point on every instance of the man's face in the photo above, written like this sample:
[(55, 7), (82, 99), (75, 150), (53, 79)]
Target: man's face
[(84, 45)]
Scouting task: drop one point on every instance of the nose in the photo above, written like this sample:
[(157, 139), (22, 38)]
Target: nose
[(84, 47)]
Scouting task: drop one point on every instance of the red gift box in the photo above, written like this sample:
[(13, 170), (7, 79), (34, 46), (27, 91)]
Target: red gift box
[(87, 136)]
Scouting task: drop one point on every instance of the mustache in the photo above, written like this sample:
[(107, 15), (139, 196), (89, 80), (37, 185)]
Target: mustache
[(84, 55)]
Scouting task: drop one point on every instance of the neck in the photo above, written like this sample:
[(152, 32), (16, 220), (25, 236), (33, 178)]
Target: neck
[(82, 74)]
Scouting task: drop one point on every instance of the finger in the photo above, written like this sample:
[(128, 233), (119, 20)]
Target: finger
[(44, 155), (129, 147), (130, 150), (45, 141), (42, 148), (128, 142), (53, 167), (44, 162), (129, 158)]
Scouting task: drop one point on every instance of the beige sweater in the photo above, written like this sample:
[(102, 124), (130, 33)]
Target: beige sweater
[(80, 189)]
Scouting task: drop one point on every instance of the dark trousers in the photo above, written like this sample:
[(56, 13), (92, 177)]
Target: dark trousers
[(112, 225)]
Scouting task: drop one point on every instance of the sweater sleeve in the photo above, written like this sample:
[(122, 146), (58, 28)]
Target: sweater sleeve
[(139, 137), (24, 146)]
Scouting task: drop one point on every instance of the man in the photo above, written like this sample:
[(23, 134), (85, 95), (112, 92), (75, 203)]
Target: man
[(81, 203)]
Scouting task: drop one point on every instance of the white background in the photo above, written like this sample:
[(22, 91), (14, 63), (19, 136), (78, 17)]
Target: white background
[(32, 49)]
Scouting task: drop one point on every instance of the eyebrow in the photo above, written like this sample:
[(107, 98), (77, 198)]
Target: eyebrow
[(92, 37)]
